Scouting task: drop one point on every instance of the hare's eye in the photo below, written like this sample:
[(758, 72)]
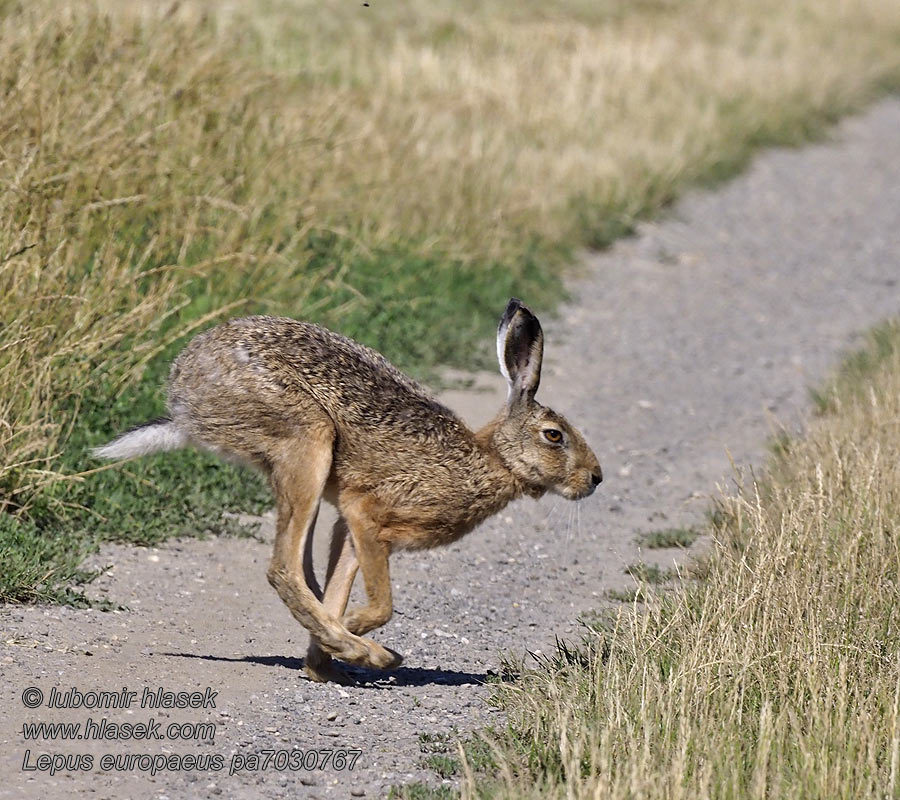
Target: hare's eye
[(552, 435)]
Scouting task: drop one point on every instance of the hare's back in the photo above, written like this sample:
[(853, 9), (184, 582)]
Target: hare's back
[(272, 365)]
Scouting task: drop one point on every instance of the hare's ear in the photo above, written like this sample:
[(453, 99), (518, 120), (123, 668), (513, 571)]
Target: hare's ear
[(520, 349)]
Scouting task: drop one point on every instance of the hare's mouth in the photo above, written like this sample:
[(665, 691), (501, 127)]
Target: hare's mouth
[(577, 494), (588, 488)]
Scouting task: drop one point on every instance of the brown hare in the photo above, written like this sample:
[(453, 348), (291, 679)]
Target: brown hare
[(324, 416)]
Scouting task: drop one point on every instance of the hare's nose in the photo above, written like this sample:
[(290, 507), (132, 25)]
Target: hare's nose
[(596, 477)]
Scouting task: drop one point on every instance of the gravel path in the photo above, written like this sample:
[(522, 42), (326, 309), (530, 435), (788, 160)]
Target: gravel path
[(687, 343)]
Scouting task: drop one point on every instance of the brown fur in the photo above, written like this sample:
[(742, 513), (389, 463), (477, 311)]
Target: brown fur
[(324, 416)]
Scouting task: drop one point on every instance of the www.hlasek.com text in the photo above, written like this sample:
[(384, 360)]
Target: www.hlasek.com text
[(106, 730)]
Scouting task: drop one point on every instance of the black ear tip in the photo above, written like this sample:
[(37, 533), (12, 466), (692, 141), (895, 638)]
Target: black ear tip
[(515, 305), (512, 306), (526, 318)]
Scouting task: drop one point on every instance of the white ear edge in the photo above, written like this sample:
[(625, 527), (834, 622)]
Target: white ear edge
[(501, 348), (519, 323)]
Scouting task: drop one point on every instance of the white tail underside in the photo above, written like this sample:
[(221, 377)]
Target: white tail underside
[(153, 438)]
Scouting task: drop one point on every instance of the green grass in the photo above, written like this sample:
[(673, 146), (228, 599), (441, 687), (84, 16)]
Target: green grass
[(632, 595), (646, 575), (40, 565), (425, 311), (442, 757), (422, 791), (444, 765), (143, 502), (669, 537), (649, 573), (881, 346)]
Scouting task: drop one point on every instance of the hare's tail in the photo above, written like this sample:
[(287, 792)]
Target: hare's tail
[(151, 437)]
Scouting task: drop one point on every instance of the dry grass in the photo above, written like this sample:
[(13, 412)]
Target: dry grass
[(474, 126), (775, 675), (162, 166)]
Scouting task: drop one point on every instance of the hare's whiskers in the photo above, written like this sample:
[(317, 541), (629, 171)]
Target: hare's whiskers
[(551, 512), (567, 537)]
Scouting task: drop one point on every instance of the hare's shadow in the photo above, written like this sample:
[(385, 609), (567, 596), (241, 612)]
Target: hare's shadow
[(369, 678)]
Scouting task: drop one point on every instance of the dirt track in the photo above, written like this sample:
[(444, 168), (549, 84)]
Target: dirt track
[(685, 344)]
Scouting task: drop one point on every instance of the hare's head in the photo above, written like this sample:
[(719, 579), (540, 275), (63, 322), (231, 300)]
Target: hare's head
[(537, 445)]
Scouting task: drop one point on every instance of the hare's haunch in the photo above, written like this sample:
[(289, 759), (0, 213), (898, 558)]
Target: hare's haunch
[(324, 416)]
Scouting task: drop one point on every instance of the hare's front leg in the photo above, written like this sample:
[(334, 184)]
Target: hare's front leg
[(373, 556), (342, 567), (373, 562), (299, 473)]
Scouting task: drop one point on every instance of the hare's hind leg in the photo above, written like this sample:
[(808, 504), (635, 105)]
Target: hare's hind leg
[(342, 567), (299, 472)]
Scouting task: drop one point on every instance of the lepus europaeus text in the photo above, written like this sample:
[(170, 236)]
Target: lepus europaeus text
[(324, 416)]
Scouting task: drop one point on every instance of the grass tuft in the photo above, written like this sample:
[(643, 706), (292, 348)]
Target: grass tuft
[(649, 573), (444, 765), (669, 537), (417, 790), (632, 595)]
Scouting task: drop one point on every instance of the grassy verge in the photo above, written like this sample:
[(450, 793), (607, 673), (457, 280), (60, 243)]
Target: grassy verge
[(774, 674), (393, 171), (144, 502)]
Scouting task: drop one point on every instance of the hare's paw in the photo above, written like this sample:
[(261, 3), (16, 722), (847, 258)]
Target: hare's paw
[(367, 653), (382, 657), (321, 668), (328, 672)]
